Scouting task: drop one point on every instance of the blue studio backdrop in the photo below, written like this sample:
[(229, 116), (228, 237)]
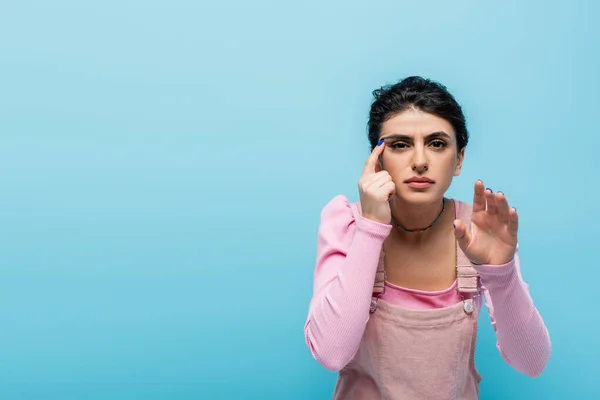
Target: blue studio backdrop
[(163, 165)]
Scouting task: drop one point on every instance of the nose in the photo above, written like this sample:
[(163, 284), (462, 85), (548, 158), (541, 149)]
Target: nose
[(419, 162)]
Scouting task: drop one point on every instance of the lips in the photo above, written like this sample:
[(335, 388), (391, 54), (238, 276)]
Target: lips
[(419, 182), (420, 179)]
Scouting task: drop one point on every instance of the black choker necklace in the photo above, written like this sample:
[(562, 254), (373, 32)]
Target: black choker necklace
[(424, 229)]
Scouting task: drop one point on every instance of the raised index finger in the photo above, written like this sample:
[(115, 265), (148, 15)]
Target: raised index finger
[(371, 162)]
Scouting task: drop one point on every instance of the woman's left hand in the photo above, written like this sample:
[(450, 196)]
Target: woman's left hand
[(492, 236)]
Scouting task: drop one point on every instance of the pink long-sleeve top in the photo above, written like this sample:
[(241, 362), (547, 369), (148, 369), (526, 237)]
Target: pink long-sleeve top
[(348, 252)]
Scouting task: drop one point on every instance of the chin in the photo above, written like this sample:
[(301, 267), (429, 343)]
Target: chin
[(423, 197)]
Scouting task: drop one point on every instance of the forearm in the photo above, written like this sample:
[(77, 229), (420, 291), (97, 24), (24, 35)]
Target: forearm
[(340, 309), (523, 339)]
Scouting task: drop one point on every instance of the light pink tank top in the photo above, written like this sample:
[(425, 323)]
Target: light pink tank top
[(425, 300)]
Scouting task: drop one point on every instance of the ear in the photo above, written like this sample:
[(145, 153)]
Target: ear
[(460, 157)]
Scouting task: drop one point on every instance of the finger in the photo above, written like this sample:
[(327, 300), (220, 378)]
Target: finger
[(479, 197), (379, 179), (371, 183), (502, 207), (371, 163), (490, 199), (390, 189), (462, 236), (379, 165), (513, 221)]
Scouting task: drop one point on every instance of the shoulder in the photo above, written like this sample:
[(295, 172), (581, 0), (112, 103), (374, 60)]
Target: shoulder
[(337, 225), (341, 216), (463, 209), (463, 205), (339, 212)]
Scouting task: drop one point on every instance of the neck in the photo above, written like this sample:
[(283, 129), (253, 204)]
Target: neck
[(414, 217)]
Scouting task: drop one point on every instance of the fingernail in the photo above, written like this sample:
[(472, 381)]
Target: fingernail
[(489, 190), (380, 142)]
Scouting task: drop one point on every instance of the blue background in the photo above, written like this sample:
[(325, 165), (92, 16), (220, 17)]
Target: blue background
[(163, 166)]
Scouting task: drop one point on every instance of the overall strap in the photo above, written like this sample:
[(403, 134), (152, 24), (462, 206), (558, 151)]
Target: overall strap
[(468, 284), (379, 284)]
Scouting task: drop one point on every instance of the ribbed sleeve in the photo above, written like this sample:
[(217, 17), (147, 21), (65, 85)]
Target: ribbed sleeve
[(348, 252)]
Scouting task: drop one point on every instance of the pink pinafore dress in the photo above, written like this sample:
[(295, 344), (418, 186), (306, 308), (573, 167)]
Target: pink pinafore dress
[(417, 354)]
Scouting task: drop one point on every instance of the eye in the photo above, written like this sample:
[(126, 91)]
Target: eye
[(439, 144), (398, 145)]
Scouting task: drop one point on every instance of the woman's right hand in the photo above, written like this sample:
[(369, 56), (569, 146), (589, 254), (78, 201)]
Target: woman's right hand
[(375, 187)]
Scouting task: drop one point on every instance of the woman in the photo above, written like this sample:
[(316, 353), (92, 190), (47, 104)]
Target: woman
[(400, 275)]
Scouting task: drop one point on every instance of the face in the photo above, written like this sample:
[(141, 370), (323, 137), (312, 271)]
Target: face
[(421, 155)]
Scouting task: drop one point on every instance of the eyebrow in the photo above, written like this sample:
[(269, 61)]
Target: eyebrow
[(433, 135)]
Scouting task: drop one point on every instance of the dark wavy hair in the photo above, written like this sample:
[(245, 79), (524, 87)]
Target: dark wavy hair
[(417, 93)]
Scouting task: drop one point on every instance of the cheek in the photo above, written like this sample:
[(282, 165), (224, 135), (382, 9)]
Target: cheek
[(396, 160), (393, 167), (449, 166)]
